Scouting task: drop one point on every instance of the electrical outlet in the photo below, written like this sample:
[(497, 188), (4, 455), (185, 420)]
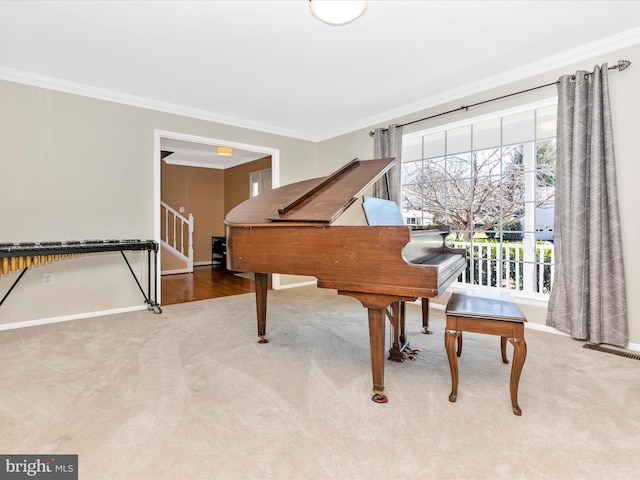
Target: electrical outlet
[(181, 209), (47, 279)]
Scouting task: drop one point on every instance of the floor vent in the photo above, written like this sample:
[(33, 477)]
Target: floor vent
[(593, 346)]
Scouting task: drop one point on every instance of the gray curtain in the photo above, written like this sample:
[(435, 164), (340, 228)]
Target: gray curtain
[(588, 298), (387, 143)]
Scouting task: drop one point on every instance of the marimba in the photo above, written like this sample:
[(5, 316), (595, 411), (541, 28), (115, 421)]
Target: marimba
[(21, 256)]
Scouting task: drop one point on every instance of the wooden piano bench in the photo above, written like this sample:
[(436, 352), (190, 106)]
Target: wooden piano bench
[(489, 312)]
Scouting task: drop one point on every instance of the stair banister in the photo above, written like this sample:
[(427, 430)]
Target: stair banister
[(181, 250)]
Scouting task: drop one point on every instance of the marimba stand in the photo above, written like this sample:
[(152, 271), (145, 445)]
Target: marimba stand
[(48, 250)]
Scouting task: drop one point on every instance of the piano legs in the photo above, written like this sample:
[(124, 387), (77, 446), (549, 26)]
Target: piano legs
[(399, 345), (376, 341), (262, 282), (425, 317), (377, 318), (377, 309), (400, 349)]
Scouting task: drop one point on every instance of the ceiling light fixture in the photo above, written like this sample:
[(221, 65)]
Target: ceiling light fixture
[(337, 12), (224, 151)]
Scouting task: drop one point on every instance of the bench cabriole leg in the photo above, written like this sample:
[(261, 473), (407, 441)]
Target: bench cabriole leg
[(519, 356), (450, 337), (503, 349)]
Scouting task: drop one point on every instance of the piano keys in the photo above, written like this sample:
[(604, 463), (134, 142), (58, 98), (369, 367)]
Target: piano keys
[(318, 228)]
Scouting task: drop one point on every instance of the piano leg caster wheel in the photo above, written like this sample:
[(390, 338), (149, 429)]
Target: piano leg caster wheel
[(262, 339), (426, 331), (452, 397), (379, 398), (155, 307)]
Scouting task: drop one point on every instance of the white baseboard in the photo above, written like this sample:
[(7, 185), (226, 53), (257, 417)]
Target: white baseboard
[(207, 263), (539, 327), (173, 272), (294, 285), (80, 316), (185, 270), (67, 318)]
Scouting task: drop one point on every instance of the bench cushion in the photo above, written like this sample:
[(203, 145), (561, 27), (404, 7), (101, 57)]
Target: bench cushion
[(488, 304)]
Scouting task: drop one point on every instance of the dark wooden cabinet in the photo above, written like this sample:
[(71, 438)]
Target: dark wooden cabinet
[(219, 251)]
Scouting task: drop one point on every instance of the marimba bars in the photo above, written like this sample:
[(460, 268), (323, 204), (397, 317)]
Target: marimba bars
[(12, 264), (24, 255)]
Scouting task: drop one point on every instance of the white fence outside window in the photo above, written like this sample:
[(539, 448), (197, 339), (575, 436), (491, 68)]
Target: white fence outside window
[(504, 265)]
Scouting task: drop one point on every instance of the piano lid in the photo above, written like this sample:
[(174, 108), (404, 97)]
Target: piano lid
[(317, 201)]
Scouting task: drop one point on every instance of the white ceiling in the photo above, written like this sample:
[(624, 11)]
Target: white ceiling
[(271, 66)]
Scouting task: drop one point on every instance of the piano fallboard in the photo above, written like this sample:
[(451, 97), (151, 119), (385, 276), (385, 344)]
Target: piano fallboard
[(357, 255)]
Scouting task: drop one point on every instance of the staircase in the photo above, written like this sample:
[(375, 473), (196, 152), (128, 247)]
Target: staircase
[(177, 236)]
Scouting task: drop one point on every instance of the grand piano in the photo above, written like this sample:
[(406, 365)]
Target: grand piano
[(319, 228)]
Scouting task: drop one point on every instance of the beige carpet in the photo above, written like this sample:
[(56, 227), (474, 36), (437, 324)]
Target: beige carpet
[(189, 394)]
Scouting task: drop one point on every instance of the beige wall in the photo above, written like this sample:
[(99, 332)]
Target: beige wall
[(625, 104), (236, 182), (200, 191), (78, 168), (74, 167), (208, 194)]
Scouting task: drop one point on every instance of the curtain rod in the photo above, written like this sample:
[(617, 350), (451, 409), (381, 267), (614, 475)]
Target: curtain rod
[(620, 66)]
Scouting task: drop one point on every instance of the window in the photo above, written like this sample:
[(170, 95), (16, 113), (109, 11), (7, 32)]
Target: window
[(492, 181), (259, 182)]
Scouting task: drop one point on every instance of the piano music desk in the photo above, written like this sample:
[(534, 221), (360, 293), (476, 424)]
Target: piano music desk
[(493, 313)]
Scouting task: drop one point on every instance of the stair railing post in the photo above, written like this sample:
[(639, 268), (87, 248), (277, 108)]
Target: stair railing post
[(190, 242)]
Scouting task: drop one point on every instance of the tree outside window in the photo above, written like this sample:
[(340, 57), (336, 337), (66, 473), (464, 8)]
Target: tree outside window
[(498, 200)]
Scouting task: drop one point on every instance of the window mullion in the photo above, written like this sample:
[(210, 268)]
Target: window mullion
[(474, 187)]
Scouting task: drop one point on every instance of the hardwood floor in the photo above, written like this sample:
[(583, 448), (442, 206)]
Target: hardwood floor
[(205, 282)]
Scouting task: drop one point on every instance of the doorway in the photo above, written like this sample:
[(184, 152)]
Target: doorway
[(205, 280)]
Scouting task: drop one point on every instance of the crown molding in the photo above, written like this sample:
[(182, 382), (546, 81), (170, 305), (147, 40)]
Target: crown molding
[(51, 83), (591, 50), (594, 49)]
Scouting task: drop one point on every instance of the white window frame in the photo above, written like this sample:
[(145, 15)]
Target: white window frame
[(529, 239)]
